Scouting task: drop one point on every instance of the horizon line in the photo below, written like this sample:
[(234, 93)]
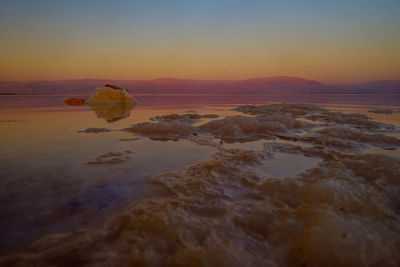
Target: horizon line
[(193, 79)]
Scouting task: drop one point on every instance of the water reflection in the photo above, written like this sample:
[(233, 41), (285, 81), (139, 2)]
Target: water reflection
[(112, 112)]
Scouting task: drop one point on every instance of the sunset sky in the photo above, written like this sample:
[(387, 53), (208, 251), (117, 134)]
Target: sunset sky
[(330, 41)]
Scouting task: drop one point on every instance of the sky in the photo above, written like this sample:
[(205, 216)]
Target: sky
[(337, 41)]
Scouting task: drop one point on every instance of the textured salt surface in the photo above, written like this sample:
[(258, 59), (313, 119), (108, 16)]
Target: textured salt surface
[(326, 203), (185, 118), (222, 213), (112, 157), (108, 95), (95, 130)]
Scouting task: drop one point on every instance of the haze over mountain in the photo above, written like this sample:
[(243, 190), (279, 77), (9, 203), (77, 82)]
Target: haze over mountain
[(270, 85)]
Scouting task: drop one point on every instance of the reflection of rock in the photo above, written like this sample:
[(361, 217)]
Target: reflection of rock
[(112, 112)]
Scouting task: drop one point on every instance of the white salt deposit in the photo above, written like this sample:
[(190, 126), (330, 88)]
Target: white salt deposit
[(108, 95)]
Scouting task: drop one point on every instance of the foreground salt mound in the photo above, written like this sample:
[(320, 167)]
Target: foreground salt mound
[(110, 95), (222, 213)]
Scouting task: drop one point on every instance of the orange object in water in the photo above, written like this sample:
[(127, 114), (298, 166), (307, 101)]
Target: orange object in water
[(75, 101)]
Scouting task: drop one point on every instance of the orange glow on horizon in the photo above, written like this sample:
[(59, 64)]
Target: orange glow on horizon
[(330, 67)]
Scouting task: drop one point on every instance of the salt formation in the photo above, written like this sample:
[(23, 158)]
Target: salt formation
[(230, 129), (342, 211), (347, 139), (110, 94), (338, 131), (240, 128), (95, 130), (221, 213), (355, 120), (110, 102), (185, 118), (315, 113), (284, 121), (294, 110), (111, 157)]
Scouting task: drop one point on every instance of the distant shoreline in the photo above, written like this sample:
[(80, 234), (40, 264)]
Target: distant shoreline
[(262, 86), (206, 94)]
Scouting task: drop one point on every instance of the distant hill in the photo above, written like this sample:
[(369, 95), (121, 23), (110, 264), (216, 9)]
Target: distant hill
[(278, 84)]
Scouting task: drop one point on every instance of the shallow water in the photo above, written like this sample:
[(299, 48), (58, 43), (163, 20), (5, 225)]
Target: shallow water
[(48, 187), (286, 165)]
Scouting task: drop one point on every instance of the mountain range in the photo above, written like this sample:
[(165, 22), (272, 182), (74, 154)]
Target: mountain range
[(270, 85)]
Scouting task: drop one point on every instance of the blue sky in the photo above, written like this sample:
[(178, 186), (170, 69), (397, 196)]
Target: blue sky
[(231, 31)]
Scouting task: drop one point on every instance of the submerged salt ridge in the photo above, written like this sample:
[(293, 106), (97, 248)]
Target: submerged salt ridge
[(338, 131), (225, 212)]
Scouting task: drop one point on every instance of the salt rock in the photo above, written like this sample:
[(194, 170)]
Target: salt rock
[(110, 94)]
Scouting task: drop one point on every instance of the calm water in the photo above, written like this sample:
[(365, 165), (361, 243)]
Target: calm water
[(46, 185)]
